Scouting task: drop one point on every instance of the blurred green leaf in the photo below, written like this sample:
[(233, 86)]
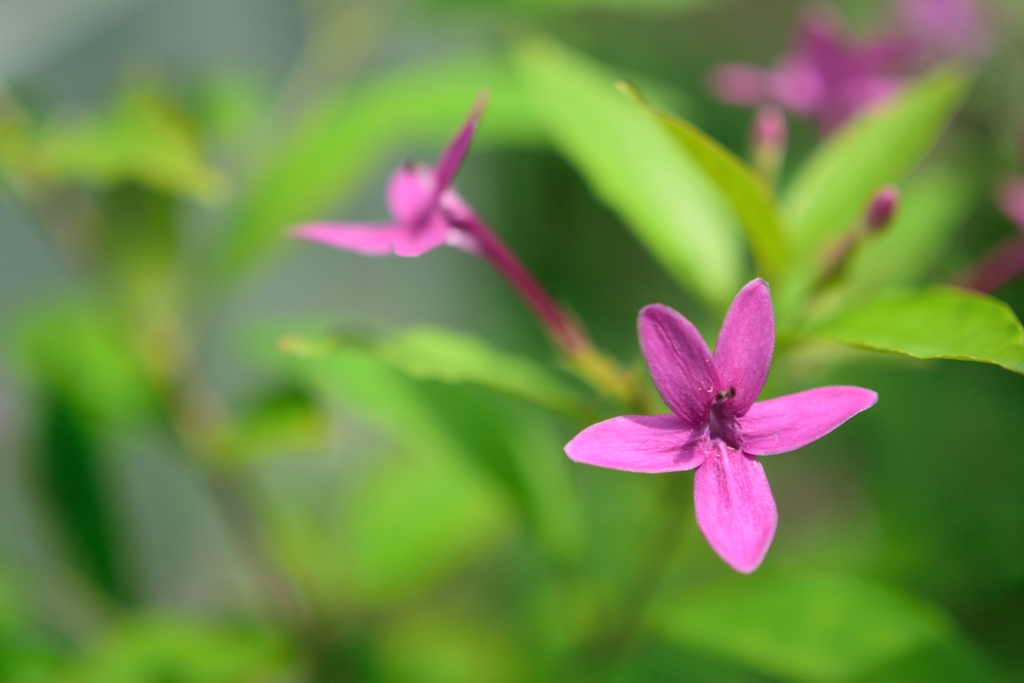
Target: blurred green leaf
[(445, 356), (634, 165), (448, 648), (934, 203), (77, 349), (809, 628), (936, 322), (28, 654), (633, 7), (151, 650), (285, 421), (423, 511), (950, 661), (832, 190), (747, 189), (348, 136), (76, 489), (143, 139)]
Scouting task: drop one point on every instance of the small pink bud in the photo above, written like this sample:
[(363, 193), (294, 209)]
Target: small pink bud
[(883, 207), (769, 129)]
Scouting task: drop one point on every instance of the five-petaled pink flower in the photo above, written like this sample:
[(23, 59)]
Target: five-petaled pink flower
[(425, 210), (715, 425)]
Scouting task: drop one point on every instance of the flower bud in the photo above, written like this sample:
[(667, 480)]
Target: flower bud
[(769, 136), (882, 208)]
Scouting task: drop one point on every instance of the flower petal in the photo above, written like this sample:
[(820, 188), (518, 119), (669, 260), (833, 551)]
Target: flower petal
[(790, 422), (745, 344), (787, 423), (410, 193), (417, 240), (363, 238), (451, 158), (681, 365), (639, 443), (734, 507)]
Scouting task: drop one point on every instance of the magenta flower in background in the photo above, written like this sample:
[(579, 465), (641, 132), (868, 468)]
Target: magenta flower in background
[(715, 425), (422, 204), (1006, 260), (826, 76), (944, 28)]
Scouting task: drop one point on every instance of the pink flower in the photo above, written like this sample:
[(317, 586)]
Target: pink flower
[(426, 213), (1005, 261), (826, 76), (715, 425), (422, 204), (945, 28)]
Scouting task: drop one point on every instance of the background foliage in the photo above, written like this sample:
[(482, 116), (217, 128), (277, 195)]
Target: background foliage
[(226, 456)]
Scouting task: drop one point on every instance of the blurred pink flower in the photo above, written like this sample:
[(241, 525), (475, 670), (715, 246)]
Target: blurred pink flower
[(715, 425), (421, 202), (826, 76), (944, 28), (426, 213), (1006, 260)]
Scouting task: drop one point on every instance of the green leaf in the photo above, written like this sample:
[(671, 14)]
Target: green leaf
[(286, 421), (78, 350), (634, 165), (832, 190), (810, 628), (75, 485), (437, 647), (749, 192), (152, 649), (346, 138), (418, 515), (143, 139), (454, 358), (936, 322)]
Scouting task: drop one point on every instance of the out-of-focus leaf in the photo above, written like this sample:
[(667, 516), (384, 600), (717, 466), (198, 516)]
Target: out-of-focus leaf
[(949, 660), (933, 204), (348, 136), (809, 628), (71, 476), (834, 187), (163, 649), (643, 7), (287, 421), (936, 322), (77, 349), (454, 358), (423, 511), (633, 164), (143, 139), (448, 648), (27, 653), (747, 189)]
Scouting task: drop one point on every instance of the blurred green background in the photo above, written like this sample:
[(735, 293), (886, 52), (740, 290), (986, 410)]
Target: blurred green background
[(180, 501)]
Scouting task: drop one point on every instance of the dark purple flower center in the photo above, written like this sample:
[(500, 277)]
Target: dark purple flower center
[(721, 420)]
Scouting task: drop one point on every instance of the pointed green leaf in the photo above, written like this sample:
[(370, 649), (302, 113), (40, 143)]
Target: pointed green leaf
[(634, 165), (936, 322), (749, 192), (454, 358), (346, 137), (834, 187), (809, 628)]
